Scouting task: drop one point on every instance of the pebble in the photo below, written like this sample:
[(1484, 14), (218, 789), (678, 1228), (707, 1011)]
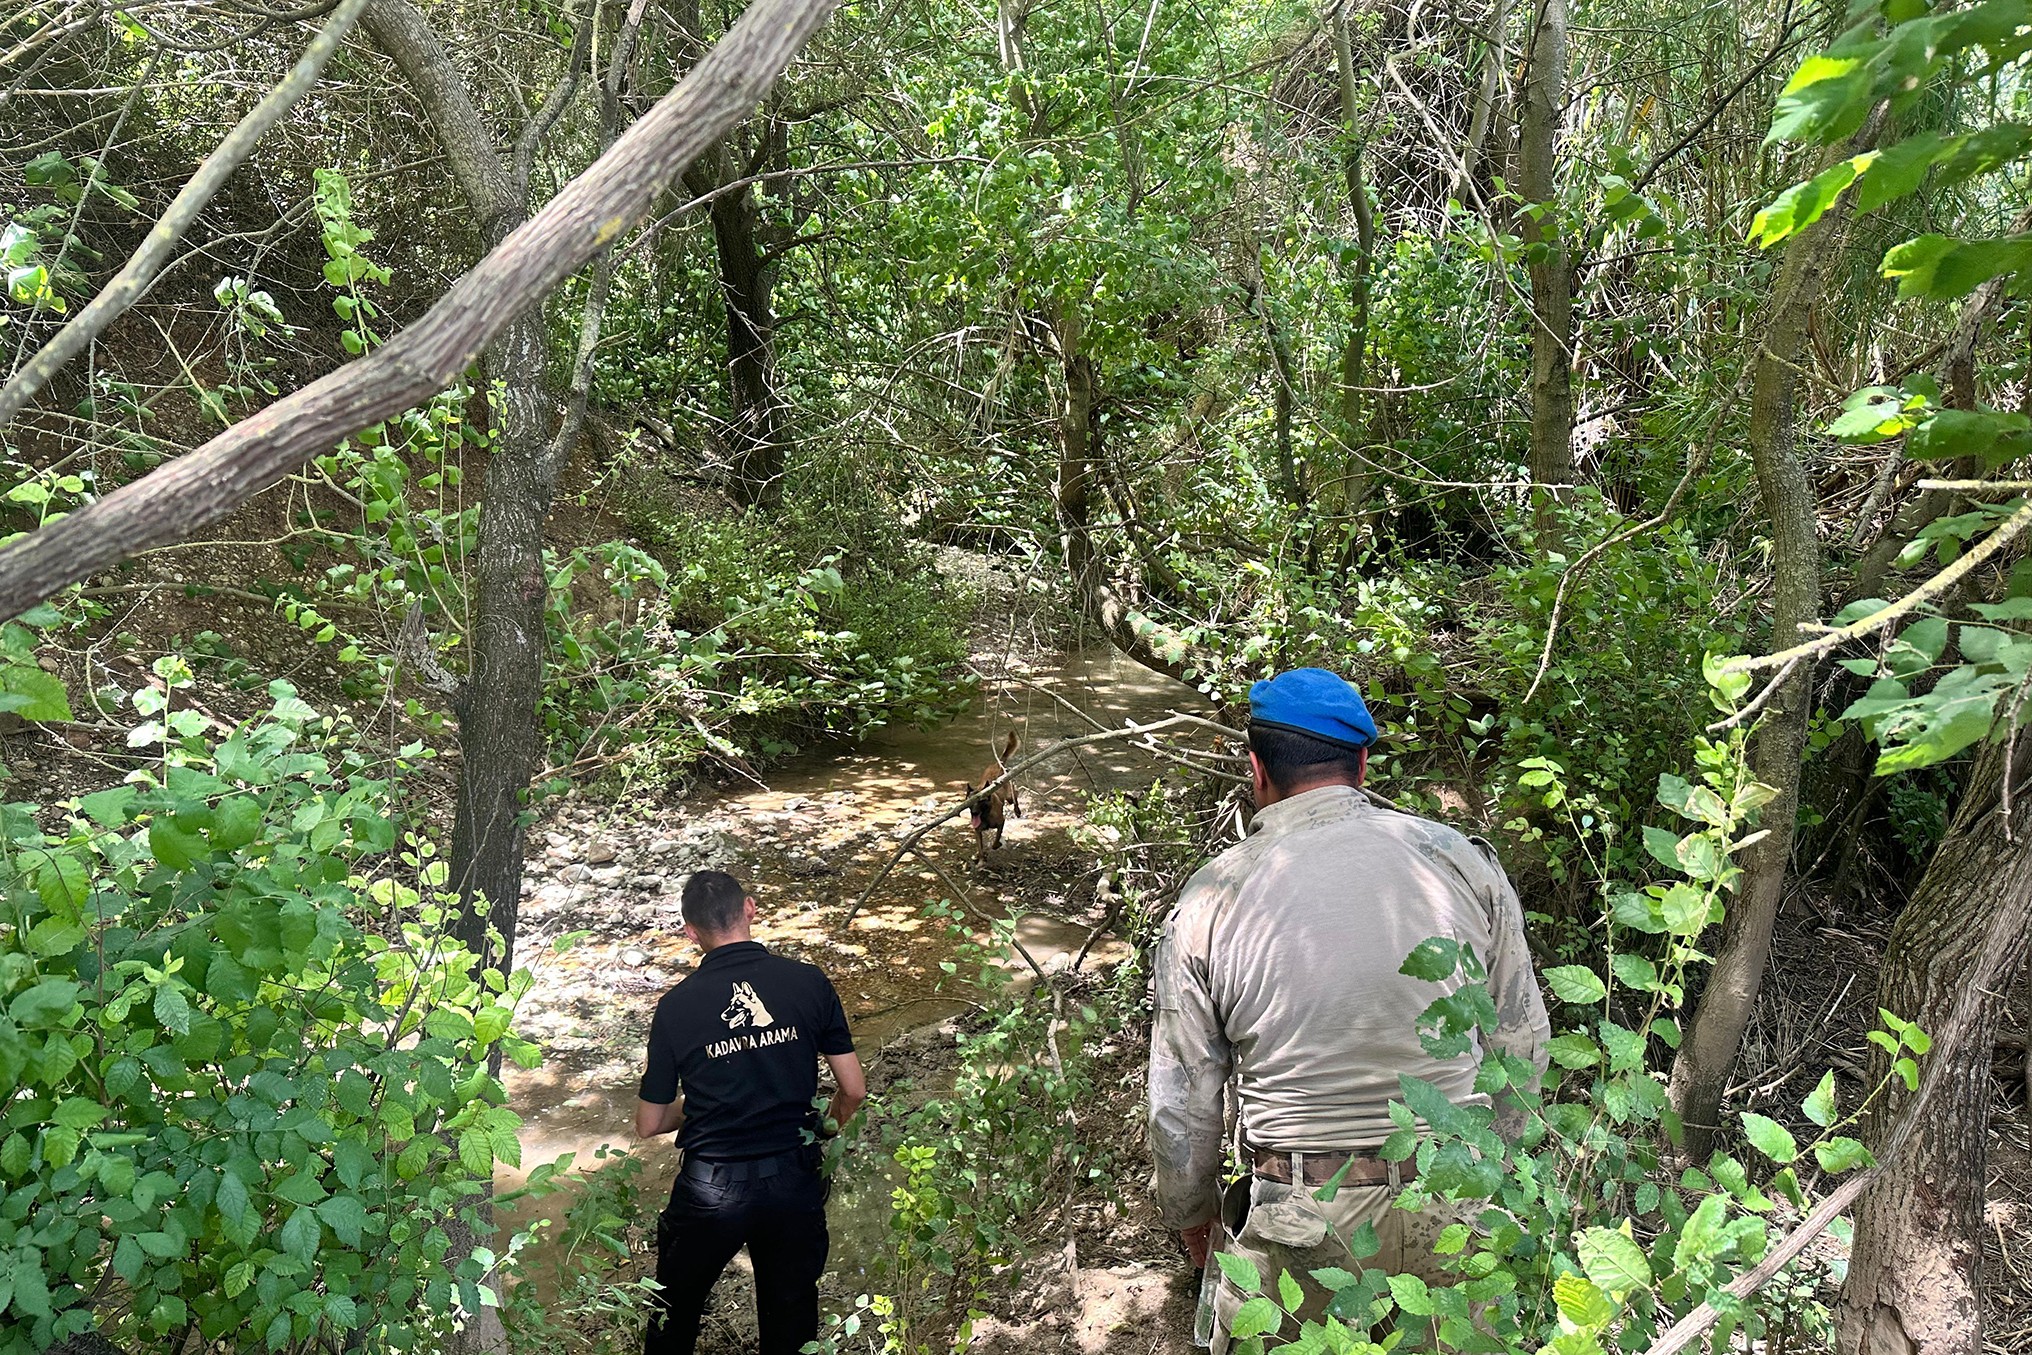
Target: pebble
[(600, 852), (576, 874), (646, 881), (558, 841), (607, 875), (47, 663), (663, 846), (634, 957)]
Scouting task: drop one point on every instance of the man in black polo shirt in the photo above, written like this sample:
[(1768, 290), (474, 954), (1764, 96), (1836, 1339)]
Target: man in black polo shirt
[(742, 1036)]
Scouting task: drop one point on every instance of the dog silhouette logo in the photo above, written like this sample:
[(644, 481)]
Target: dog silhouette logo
[(746, 1009)]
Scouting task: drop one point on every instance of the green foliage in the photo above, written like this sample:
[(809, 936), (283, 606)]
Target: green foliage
[(247, 1075), (569, 1284)]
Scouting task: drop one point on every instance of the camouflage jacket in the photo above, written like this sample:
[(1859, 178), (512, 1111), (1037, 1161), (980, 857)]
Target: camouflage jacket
[(1279, 968)]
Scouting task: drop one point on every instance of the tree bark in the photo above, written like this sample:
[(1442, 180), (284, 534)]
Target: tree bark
[(1701, 1069), (496, 708), (198, 489), (1139, 637), (1549, 264), (1356, 447), (1915, 1277), (747, 301), (747, 295)]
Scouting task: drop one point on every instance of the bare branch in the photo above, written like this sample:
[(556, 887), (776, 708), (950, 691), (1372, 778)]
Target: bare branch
[(1885, 615)]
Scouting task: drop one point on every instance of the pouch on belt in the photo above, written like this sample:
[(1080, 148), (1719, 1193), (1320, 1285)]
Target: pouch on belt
[(1283, 1215)]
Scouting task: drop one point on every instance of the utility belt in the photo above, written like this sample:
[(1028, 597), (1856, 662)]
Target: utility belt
[(1364, 1168), (803, 1158)]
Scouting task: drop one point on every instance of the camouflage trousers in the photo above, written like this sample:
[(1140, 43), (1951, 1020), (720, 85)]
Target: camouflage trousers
[(1285, 1229)]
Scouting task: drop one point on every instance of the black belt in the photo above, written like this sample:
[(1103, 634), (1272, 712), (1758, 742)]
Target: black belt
[(750, 1169)]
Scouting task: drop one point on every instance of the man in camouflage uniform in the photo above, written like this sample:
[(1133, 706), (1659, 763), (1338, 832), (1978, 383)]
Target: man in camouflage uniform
[(1279, 969)]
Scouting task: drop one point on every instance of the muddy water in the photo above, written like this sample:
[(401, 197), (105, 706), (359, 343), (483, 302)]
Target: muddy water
[(808, 843)]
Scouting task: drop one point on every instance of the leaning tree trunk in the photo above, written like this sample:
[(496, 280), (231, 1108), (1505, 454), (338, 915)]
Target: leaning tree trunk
[(1915, 1278), (1135, 634), (1550, 266), (1700, 1071), (496, 707)]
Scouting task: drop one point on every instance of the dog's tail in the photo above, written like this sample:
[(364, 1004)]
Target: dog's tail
[(1008, 747)]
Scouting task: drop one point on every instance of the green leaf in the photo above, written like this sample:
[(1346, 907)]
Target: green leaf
[(1945, 269), (300, 1235), (175, 848), (45, 1004), (1573, 1050), (1663, 846), (1700, 1238), (231, 1200), (1411, 1294), (1333, 1279), (300, 1188), (1613, 1262), (172, 1009), (33, 694), (1819, 1105), (346, 1216), (1840, 1155), (1289, 1294), (1576, 983), (476, 1154), (1241, 1272), (1433, 959), (1363, 1243), (1825, 99), (1634, 971), (1803, 204), (236, 822), (341, 1311), (1257, 1317), (1770, 1138), (1582, 1302), (75, 1112), (1685, 909)]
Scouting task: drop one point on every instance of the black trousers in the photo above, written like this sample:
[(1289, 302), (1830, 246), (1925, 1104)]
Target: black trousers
[(715, 1210)]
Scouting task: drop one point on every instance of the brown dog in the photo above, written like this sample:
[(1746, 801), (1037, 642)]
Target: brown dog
[(990, 812)]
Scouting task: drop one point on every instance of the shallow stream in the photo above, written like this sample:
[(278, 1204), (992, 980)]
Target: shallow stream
[(807, 843)]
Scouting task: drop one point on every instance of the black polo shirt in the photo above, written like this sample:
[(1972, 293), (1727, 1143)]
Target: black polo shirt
[(742, 1035)]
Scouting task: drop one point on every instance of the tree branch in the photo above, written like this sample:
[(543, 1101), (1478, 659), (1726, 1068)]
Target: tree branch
[(1885, 615), (148, 260), (186, 495)]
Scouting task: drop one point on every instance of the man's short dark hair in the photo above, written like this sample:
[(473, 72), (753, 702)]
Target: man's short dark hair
[(712, 902), (1289, 756)]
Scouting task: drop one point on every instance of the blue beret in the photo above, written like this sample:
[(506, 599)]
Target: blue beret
[(1316, 702)]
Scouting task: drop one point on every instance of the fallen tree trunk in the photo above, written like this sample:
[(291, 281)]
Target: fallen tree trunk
[(198, 489)]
